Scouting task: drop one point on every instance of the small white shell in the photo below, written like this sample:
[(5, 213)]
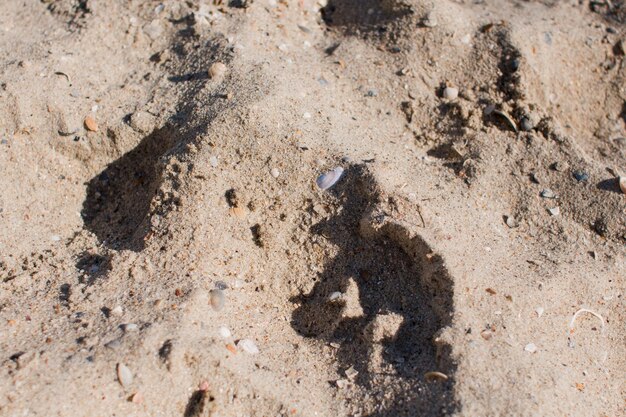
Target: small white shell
[(248, 346), (124, 375), (330, 178), (622, 184), (224, 332)]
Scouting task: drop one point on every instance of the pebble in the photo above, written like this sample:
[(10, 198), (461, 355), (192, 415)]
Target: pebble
[(342, 383), (335, 296), (555, 211), (113, 344), (275, 172), (330, 178), (136, 398), (130, 327), (217, 299), (511, 222), (580, 176), (526, 124), (539, 311), (531, 347), (372, 93), (117, 311), (217, 70), (622, 184), (450, 93), (430, 21), (90, 124), (213, 161), (248, 346), (224, 332), (547, 193), (124, 375)]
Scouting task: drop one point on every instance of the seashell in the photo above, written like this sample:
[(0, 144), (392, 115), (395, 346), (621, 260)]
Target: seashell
[(507, 119), (622, 184), (124, 375), (217, 299), (435, 376), (330, 178), (248, 346), (217, 70)]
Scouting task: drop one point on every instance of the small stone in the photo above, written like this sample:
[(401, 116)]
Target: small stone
[(555, 211), (547, 193), (560, 166), (450, 93), (224, 332), (248, 346), (335, 296), (531, 348), (117, 311), (622, 184), (580, 176), (372, 93), (486, 334), (130, 327), (511, 222), (213, 161), (430, 21), (217, 70), (124, 375), (217, 299), (526, 124), (534, 178), (90, 124), (136, 398), (275, 172), (307, 115), (539, 311), (342, 383), (113, 344)]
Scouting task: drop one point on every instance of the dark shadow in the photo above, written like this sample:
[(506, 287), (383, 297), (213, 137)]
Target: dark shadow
[(92, 266), (65, 291), (198, 404), (611, 184), (393, 280), (118, 199), (354, 16)]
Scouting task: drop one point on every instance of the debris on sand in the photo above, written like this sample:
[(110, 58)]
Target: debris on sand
[(248, 346), (435, 376), (217, 70), (91, 124), (584, 310), (330, 178), (124, 375)]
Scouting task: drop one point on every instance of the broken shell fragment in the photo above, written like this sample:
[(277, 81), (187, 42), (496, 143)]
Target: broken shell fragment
[(330, 178), (124, 375), (435, 376)]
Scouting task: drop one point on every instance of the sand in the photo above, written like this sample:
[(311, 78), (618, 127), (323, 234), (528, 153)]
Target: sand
[(165, 249)]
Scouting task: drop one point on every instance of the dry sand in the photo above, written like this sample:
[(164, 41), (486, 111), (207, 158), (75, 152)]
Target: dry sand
[(173, 256)]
